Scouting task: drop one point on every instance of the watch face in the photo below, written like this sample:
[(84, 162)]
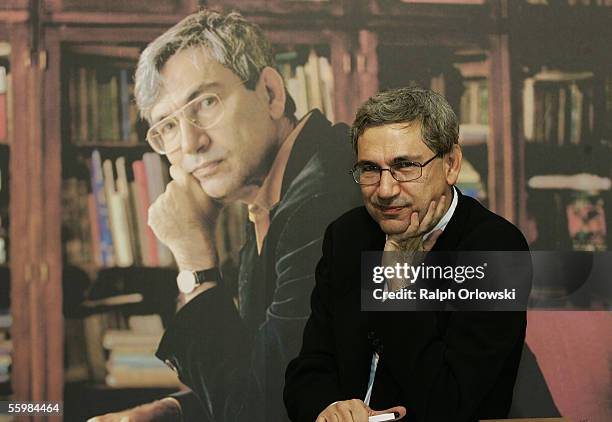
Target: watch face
[(186, 281)]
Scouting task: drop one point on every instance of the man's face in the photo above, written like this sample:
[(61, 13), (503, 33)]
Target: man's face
[(390, 202), (231, 158)]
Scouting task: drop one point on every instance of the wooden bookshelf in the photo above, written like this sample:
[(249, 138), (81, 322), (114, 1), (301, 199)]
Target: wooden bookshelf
[(567, 69), (370, 45)]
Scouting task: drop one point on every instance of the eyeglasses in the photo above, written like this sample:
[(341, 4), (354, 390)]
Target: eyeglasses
[(203, 112), (402, 171)]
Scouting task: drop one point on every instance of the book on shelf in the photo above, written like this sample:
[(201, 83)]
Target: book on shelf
[(558, 107), (157, 179), (4, 118), (109, 225), (474, 112), (107, 251), (101, 105), (118, 218), (310, 81), (474, 103)]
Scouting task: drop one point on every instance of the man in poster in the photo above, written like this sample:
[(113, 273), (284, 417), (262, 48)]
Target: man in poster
[(219, 110)]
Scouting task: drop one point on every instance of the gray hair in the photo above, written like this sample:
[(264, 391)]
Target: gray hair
[(230, 39), (439, 124)]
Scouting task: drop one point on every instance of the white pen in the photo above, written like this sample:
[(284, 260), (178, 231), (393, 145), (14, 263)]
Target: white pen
[(383, 417)]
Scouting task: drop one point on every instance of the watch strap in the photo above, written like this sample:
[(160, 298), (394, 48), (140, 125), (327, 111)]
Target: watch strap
[(211, 274)]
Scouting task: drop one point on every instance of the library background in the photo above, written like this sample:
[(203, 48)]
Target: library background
[(530, 79)]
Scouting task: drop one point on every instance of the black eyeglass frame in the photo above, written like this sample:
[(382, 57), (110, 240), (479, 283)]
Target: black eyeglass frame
[(353, 171)]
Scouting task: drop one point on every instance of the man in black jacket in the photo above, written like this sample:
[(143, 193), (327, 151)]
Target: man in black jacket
[(219, 110), (432, 366)]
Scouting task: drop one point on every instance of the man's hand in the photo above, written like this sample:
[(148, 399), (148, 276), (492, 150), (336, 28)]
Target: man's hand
[(184, 218), (164, 410), (412, 239), (410, 243), (354, 411)]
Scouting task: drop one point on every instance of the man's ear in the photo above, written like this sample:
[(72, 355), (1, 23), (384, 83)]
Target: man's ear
[(452, 164), (272, 87)]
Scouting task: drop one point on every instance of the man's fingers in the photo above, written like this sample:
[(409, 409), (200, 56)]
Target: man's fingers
[(428, 218), (353, 410), (178, 174), (343, 413), (400, 410), (435, 211), (414, 224)]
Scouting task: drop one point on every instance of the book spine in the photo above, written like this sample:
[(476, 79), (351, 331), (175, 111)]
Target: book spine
[(140, 178), (124, 93), (313, 81), (529, 109), (3, 105), (327, 88), (92, 101), (156, 186), (118, 219), (123, 190), (83, 100), (97, 187), (95, 231)]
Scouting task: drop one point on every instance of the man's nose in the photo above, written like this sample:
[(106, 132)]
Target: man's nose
[(193, 139), (388, 187)]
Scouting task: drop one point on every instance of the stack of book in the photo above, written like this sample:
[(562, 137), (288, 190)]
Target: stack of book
[(311, 84), (110, 223), (101, 105), (132, 361)]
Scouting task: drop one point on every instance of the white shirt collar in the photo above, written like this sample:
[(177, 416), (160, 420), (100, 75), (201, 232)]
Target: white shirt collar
[(447, 216)]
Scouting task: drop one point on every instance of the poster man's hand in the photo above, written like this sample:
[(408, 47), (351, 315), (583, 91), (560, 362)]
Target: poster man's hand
[(184, 218)]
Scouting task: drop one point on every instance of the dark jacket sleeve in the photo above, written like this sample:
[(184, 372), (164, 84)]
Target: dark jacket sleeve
[(311, 380), (237, 372)]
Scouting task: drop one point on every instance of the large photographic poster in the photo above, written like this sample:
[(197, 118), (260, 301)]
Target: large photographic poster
[(200, 161)]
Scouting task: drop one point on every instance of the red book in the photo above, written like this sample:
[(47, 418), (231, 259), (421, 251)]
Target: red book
[(95, 229), (140, 177), (3, 105)]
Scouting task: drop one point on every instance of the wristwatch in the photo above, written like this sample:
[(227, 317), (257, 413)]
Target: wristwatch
[(188, 280)]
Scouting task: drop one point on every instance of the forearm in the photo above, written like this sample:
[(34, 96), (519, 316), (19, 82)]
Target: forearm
[(205, 342)]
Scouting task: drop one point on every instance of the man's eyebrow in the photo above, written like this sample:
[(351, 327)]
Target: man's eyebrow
[(192, 94), (365, 163), (401, 158)]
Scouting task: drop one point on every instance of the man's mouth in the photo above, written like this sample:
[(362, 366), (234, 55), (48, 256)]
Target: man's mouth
[(391, 210), (206, 169)]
